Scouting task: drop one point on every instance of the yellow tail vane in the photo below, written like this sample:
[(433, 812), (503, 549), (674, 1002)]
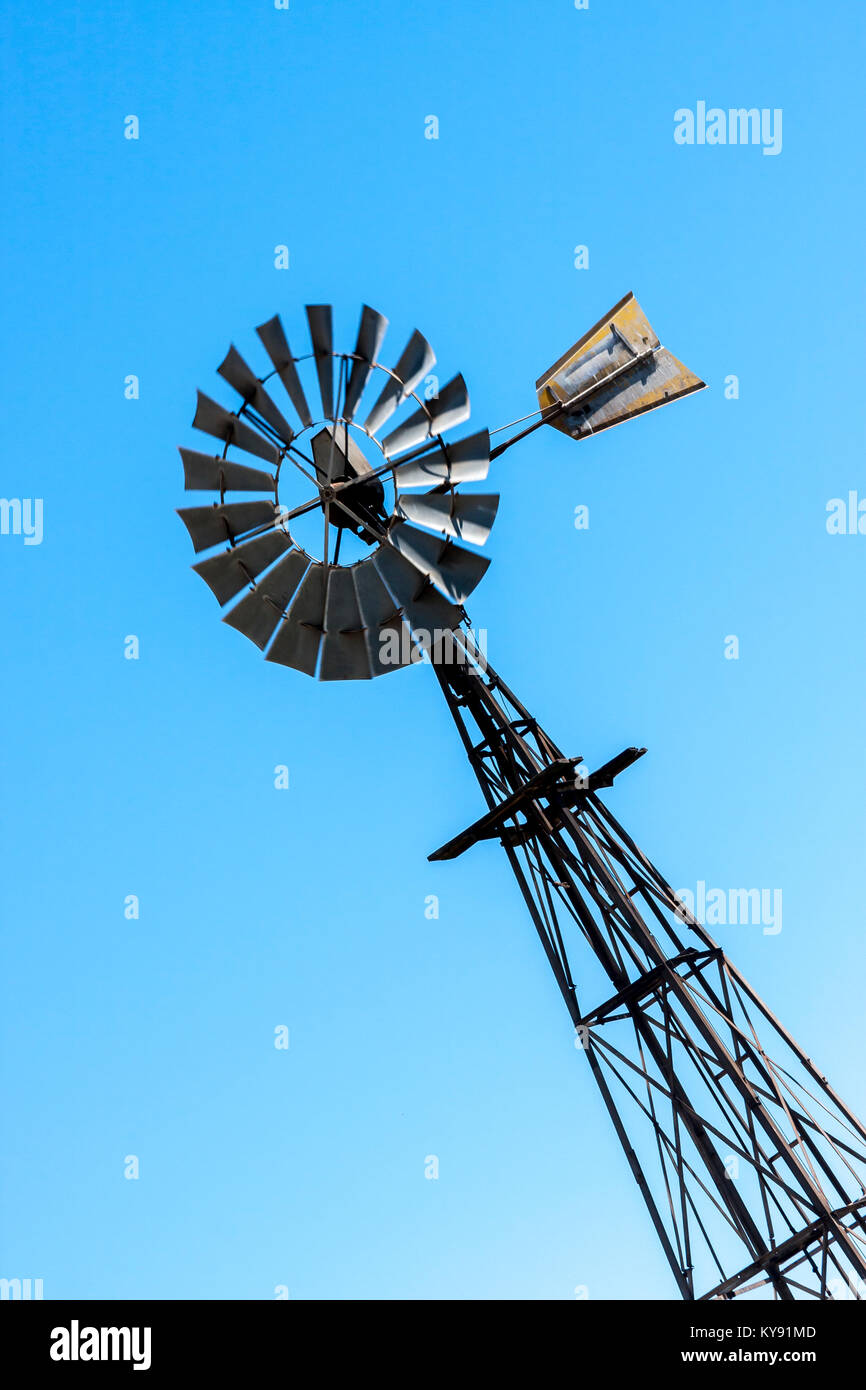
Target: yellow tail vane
[(615, 371)]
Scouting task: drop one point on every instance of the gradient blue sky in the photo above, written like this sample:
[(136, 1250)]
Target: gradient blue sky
[(260, 907)]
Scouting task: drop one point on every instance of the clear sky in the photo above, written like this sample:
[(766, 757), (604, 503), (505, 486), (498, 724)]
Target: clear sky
[(305, 907)]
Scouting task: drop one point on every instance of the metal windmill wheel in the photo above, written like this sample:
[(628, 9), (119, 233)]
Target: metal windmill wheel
[(356, 620)]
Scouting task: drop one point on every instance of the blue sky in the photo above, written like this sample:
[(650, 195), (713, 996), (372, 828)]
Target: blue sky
[(305, 908)]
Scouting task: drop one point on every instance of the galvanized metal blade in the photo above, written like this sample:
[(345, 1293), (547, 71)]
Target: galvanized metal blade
[(258, 612), (319, 319), (371, 335), (417, 359), (345, 657), (454, 570), (344, 649), (210, 473), (228, 573), (429, 615), (238, 374), (213, 418), (300, 633), (388, 637), (463, 461), (215, 525), (336, 453), (449, 409), (276, 346), (468, 516)]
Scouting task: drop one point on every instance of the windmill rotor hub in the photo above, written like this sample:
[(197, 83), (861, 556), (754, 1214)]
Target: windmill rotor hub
[(365, 496)]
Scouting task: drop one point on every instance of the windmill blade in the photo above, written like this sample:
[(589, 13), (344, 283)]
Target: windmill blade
[(213, 418), (463, 461), (388, 637), (449, 409), (371, 335), (300, 633), (228, 573), (258, 612), (417, 360), (335, 453), (344, 650), (614, 372), (456, 571), (276, 346), (235, 371), (468, 517), (215, 525), (319, 319), (345, 657), (211, 473), (430, 616)]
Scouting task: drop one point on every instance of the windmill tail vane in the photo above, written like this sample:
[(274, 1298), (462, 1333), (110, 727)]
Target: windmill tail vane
[(355, 560), (617, 370)]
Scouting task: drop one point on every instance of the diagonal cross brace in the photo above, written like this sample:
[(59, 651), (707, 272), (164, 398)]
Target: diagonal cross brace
[(557, 777), (544, 783)]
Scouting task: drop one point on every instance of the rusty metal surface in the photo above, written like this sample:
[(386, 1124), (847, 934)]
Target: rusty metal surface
[(614, 372)]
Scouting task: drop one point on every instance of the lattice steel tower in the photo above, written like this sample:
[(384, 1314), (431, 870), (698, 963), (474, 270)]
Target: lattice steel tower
[(751, 1168)]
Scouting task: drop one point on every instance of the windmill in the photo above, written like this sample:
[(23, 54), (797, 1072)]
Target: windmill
[(751, 1168)]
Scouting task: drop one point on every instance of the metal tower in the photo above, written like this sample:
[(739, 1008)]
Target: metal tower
[(751, 1168)]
